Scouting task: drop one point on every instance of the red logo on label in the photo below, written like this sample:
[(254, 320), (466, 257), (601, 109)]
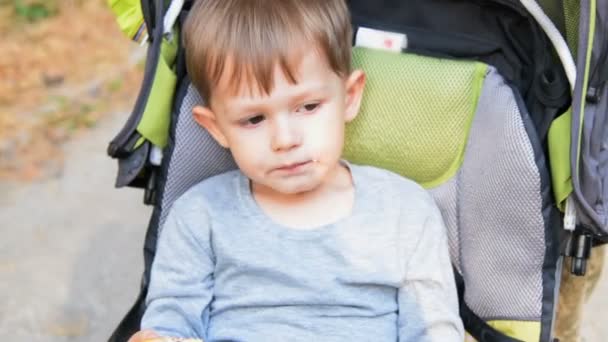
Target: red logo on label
[(388, 43)]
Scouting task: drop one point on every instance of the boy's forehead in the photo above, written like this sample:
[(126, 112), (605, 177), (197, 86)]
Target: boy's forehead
[(310, 70)]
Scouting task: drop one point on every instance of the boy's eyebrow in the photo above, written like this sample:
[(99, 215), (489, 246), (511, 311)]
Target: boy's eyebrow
[(246, 105), (321, 89)]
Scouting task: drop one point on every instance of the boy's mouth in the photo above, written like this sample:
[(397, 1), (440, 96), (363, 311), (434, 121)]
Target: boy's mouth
[(293, 167)]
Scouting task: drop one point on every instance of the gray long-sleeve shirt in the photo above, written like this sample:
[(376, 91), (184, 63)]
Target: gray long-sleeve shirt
[(224, 271)]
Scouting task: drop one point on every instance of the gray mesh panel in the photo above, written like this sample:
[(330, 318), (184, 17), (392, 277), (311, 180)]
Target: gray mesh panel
[(446, 197), (502, 228), (195, 156)]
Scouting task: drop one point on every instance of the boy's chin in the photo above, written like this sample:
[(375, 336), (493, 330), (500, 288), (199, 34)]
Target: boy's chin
[(294, 187)]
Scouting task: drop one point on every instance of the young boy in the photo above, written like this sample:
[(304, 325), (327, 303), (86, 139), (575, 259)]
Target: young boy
[(297, 245)]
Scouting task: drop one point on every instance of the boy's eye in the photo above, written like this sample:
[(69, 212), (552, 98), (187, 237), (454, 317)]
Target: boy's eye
[(309, 107), (254, 120)]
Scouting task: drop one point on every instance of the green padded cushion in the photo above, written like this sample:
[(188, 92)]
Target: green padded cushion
[(415, 115), (572, 13)]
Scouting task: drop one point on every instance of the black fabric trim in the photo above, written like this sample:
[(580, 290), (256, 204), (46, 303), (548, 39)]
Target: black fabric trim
[(147, 9), (180, 60), (553, 224), (130, 324), (473, 324)]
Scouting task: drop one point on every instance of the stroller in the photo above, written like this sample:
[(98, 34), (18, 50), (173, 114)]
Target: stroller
[(498, 107)]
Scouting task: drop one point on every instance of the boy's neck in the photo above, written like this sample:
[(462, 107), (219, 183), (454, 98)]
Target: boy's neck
[(331, 201)]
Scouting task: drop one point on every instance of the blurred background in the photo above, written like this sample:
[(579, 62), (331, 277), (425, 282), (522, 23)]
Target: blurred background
[(70, 243)]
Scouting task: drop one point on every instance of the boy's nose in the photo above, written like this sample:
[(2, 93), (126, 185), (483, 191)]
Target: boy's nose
[(285, 136)]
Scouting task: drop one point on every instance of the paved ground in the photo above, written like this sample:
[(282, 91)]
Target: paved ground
[(70, 248), (595, 328), (70, 251)]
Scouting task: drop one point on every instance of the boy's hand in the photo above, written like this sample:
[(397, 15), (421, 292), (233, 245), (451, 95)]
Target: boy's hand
[(151, 336), (143, 336)]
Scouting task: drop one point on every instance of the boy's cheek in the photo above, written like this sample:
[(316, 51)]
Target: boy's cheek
[(244, 139)]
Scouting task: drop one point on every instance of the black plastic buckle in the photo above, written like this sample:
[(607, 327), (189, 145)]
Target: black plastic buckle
[(593, 95), (150, 189), (578, 247)]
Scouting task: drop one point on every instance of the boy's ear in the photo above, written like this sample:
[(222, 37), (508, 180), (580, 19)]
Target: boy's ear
[(206, 118), (354, 93)]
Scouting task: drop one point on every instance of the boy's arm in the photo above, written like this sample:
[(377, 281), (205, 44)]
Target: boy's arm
[(181, 281), (150, 336), (428, 302)]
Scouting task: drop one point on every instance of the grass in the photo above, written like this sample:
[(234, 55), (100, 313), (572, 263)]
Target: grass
[(31, 11), (35, 10)]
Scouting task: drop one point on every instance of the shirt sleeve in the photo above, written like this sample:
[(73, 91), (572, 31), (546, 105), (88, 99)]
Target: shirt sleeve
[(428, 302), (181, 281)]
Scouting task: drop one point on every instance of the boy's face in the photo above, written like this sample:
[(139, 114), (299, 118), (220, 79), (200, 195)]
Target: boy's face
[(290, 140)]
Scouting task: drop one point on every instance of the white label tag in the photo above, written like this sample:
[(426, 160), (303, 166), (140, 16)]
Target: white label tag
[(384, 40), (570, 214)]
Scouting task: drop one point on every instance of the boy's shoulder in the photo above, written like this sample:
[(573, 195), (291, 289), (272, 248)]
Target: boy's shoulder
[(218, 188), (375, 176), (390, 184)]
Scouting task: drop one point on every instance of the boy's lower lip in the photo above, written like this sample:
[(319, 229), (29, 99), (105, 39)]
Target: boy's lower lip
[(291, 168)]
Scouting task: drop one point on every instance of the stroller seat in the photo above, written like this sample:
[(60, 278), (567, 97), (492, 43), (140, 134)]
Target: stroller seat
[(466, 113)]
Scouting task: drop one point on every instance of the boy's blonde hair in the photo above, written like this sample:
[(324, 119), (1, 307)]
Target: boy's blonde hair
[(256, 35)]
